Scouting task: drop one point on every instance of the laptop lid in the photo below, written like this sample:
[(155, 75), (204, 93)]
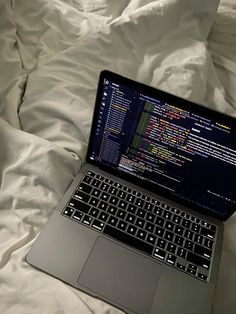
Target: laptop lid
[(169, 145)]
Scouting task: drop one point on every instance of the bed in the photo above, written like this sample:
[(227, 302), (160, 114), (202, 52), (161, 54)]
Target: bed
[(51, 54)]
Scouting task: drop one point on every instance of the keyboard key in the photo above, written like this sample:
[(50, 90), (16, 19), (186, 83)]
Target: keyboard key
[(130, 198), (128, 239), (112, 209), (121, 194), (96, 192), (113, 190), (68, 211), (103, 205), (185, 215), (188, 234), (126, 189), (109, 181), (87, 179), (167, 215), (181, 252), (200, 250), (179, 230), (121, 213), (99, 177), (155, 202), (87, 220), (140, 222), (122, 225), (191, 266), (188, 245), (112, 220), (94, 212), (181, 266), (98, 225), (94, 201), (175, 211), (207, 233), (208, 243), (176, 219), (82, 196), (104, 196), (85, 188), (141, 212), (122, 204), (186, 223), (95, 183), (146, 198), (195, 219), (159, 231), (165, 206), (198, 239), (160, 221), (202, 277), (78, 215), (131, 208), (191, 271), (91, 173), (198, 260), (213, 227), (132, 229), (205, 224), (141, 234), (118, 185), (113, 200), (130, 218), (171, 259), (151, 239), (195, 227), (171, 248), (157, 210), (160, 254), (178, 240), (150, 217), (103, 216), (169, 236), (148, 206), (169, 225), (79, 205), (104, 186), (149, 227), (139, 202), (161, 243)]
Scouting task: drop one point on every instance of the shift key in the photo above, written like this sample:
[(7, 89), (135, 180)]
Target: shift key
[(200, 250), (198, 260)]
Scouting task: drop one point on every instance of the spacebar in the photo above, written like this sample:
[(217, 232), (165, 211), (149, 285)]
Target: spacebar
[(129, 240)]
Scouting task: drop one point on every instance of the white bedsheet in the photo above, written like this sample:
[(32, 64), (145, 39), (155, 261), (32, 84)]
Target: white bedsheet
[(51, 53)]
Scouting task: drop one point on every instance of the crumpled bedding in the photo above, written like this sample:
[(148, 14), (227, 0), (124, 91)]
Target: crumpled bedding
[(51, 53)]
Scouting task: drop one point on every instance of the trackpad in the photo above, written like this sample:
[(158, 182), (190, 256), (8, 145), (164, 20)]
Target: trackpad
[(127, 279)]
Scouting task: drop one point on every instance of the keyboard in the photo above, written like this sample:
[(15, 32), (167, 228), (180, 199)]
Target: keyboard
[(157, 229)]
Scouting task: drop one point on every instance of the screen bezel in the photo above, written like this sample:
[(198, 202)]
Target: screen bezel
[(162, 95)]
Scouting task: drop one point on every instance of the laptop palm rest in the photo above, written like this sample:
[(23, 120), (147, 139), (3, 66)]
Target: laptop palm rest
[(120, 275)]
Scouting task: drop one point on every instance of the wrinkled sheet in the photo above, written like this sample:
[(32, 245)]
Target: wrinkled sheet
[(51, 53)]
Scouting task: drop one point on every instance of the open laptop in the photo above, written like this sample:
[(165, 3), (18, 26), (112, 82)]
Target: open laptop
[(141, 225)]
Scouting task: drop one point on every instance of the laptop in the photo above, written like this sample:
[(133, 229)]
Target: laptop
[(141, 225)]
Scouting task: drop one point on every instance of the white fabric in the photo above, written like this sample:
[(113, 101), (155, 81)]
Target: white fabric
[(51, 53)]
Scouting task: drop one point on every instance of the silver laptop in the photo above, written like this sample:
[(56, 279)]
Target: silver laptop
[(141, 225)]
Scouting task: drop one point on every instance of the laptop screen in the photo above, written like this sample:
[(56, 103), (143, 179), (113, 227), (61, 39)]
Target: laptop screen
[(181, 149)]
